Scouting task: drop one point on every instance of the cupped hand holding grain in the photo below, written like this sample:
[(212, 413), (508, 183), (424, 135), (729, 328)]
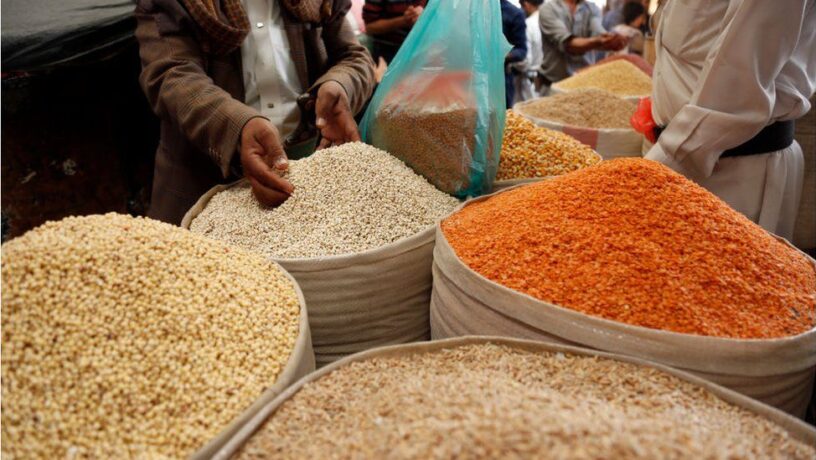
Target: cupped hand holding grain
[(632, 241), (129, 338)]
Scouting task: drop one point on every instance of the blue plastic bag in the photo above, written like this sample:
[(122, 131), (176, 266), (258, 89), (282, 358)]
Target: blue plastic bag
[(440, 106)]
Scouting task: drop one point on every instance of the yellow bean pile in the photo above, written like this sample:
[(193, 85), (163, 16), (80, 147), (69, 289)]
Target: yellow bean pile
[(129, 338), (618, 77), (532, 151)]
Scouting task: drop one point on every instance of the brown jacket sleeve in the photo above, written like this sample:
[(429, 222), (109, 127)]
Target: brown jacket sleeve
[(350, 63), (177, 86)]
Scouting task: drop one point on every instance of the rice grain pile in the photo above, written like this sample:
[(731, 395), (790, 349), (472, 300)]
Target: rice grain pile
[(494, 401), (531, 151), (347, 199), (632, 241), (620, 77), (584, 108), (129, 338)]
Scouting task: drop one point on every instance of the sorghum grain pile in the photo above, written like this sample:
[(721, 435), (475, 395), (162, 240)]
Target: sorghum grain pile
[(129, 338), (532, 151), (632, 241), (347, 199), (620, 77), (492, 401), (585, 108)]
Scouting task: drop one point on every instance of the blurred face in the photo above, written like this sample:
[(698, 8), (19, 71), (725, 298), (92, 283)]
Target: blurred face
[(638, 23), (528, 8)]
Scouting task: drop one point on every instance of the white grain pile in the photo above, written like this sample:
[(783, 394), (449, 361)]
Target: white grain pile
[(490, 401), (347, 199)]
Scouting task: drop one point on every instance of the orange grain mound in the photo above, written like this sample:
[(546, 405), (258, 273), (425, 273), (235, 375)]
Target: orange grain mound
[(632, 241)]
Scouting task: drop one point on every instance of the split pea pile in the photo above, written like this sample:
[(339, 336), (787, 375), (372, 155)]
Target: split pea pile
[(493, 401), (620, 77), (585, 108), (347, 199), (129, 338), (531, 151), (632, 241)]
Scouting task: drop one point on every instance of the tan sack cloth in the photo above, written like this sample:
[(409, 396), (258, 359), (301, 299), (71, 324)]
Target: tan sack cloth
[(797, 429), (301, 362), (364, 300), (778, 372)]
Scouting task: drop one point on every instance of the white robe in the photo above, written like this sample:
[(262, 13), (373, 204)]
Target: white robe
[(726, 69)]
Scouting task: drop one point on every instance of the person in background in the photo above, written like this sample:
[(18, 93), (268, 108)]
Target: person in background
[(515, 30), (570, 29), (526, 72), (726, 96), (388, 23), (228, 83), (634, 16)]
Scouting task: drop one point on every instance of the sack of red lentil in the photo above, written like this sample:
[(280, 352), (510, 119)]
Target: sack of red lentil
[(489, 397), (594, 117), (631, 258), (362, 257), (440, 107)]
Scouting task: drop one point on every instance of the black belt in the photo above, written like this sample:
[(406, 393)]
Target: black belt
[(774, 137)]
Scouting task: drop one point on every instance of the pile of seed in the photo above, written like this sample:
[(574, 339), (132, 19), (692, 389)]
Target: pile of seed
[(585, 108), (532, 151), (438, 143), (491, 401), (619, 77), (129, 338), (632, 241), (347, 199)]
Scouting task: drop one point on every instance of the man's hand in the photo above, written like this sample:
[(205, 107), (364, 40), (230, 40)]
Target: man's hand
[(412, 14), (613, 42), (263, 160), (334, 118)]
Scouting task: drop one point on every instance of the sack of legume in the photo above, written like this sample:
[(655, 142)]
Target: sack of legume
[(595, 117), (126, 337), (619, 77), (531, 153), (440, 106), (357, 235), (630, 257), (487, 397)]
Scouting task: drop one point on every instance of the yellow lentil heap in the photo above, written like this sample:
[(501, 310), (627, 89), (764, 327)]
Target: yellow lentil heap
[(618, 77), (129, 338), (492, 401), (531, 151)]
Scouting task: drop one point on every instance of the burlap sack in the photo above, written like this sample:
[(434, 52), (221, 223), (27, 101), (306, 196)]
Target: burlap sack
[(609, 143), (796, 428), (364, 300), (301, 362), (779, 372)]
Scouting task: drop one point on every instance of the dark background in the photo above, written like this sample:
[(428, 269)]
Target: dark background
[(78, 136)]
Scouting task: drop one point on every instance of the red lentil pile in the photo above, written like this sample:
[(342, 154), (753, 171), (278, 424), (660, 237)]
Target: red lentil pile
[(632, 241)]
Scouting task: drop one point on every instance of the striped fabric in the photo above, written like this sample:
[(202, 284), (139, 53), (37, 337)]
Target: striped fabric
[(219, 36)]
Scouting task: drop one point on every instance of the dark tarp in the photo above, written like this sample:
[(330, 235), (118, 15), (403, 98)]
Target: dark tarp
[(42, 34)]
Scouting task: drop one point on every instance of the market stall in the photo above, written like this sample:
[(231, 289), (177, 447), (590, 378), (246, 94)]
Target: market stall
[(469, 280)]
